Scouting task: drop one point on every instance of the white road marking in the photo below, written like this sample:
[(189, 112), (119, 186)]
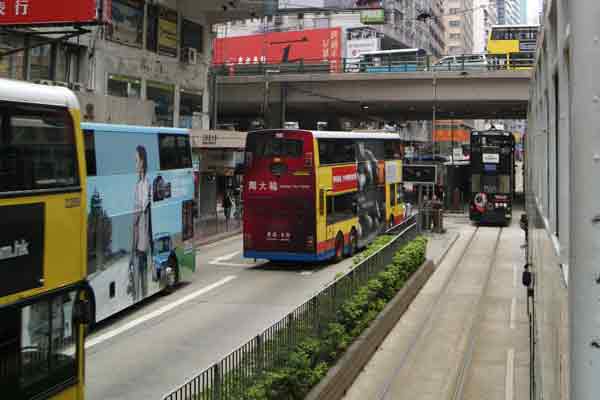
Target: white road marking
[(166, 308), (509, 383), (222, 260), (513, 311), (305, 273)]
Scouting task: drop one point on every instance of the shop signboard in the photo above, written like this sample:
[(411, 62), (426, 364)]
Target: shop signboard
[(308, 46), (167, 32), (356, 47), (44, 12), (372, 17)]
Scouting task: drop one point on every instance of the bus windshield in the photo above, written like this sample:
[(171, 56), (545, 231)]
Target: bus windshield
[(37, 148)]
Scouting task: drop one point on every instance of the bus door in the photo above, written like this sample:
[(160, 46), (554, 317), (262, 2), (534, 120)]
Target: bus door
[(41, 197)]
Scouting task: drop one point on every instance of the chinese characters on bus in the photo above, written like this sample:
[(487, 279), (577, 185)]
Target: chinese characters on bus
[(21, 7)]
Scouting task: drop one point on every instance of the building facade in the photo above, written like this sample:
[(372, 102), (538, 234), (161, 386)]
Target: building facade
[(148, 66), (509, 11), (484, 17), (458, 21), (397, 26)]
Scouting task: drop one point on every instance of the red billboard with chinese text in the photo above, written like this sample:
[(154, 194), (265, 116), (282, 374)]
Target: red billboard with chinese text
[(344, 178), (308, 46), (47, 12)]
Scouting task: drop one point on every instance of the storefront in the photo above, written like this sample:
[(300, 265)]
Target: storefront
[(219, 157)]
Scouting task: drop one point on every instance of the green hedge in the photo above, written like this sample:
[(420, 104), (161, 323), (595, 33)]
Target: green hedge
[(309, 362)]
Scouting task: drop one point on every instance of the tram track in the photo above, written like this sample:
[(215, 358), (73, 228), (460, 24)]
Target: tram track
[(475, 328), (427, 325)]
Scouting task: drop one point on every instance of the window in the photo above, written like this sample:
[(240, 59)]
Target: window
[(370, 150), (393, 149), (190, 105), (38, 345), (90, 152), (152, 28), (127, 22), (167, 32), (455, 36), (41, 60), (192, 35), (163, 96), (454, 23), (37, 149), (174, 151), (12, 66), (336, 151), (341, 207), (124, 86), (267, 145)]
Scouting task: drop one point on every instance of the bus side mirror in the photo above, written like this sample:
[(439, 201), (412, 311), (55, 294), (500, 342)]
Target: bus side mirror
[(82, 312)]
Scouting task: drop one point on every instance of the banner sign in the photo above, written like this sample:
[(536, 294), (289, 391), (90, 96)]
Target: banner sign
[(167, 32), (309, 46), (393, 171), (356, 47), (344, 178), (45, 12)]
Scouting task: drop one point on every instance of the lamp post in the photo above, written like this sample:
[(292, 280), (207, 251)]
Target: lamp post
[(266, 97)]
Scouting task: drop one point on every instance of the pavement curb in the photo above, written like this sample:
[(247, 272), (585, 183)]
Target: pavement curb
[(217, 238), (343, 374)]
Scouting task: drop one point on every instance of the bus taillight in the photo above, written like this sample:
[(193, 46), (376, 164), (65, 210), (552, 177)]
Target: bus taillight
[(310, 242)]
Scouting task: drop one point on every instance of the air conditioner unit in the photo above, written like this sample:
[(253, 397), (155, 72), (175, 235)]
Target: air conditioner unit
[(190, 55), (45, 82)]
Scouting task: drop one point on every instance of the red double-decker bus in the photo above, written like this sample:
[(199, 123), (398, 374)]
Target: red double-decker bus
[(314, 195)]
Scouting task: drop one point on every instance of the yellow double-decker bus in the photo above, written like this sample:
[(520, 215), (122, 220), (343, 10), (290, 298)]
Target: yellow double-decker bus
[(315, 195), (512, 46), (43, 306)]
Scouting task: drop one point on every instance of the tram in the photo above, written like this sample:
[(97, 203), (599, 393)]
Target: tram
[(492, 176)]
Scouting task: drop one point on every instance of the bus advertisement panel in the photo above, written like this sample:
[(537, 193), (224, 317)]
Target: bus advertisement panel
[(140, 213), (312, 196)]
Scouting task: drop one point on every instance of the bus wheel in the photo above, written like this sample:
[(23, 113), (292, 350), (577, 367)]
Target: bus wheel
[(339, 247), (172, 274), (353, 243)]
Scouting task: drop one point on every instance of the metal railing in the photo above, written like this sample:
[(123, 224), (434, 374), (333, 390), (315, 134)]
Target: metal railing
[(238, 371), (354, 65)]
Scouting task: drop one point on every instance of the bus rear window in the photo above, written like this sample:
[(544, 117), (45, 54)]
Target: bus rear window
[(37, 149), (269, 145)]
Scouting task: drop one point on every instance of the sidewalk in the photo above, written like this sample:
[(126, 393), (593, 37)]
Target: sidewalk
[(424, 356), (210, 230)]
